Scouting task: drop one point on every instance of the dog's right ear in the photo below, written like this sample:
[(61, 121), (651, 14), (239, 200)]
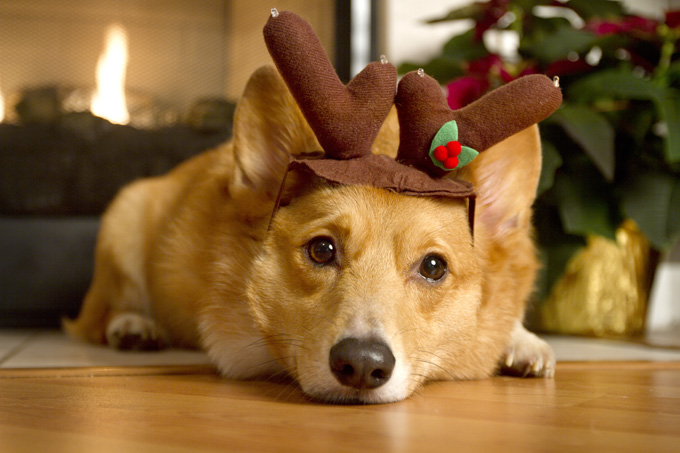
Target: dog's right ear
[(268, 128)]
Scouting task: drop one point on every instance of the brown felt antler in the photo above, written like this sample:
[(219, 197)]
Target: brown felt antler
[(345, 119), (423, 110)]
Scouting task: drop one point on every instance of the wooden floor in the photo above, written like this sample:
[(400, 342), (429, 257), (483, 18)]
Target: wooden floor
[(588, 407)]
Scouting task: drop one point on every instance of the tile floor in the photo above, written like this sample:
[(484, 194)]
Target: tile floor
[(53, 349)]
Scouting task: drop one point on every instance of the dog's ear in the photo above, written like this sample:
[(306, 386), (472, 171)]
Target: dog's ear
[(506, 179), (387, 141), (268, 128)]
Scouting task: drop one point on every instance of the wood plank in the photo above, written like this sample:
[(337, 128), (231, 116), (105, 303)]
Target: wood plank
[(587, 407)]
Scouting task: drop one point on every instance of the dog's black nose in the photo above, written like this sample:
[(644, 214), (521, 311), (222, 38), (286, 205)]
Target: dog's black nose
[(362, 364)]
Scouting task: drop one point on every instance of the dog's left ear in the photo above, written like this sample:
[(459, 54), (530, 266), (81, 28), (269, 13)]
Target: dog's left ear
[(506, 177), (268, 128)]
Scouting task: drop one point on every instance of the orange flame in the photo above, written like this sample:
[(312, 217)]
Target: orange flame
[(108, 101)]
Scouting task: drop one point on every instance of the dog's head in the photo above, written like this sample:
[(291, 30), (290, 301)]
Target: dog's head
[(363, 293)]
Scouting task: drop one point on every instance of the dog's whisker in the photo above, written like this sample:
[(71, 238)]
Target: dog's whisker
[(257, 343), (405, 330), (440, 367), (267, 362)]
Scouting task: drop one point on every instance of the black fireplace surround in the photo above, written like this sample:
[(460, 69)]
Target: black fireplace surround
[(56, 179)]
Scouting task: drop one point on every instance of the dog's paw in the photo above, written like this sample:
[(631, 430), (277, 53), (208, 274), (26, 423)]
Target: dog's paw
[(132, 331), (527, 355)]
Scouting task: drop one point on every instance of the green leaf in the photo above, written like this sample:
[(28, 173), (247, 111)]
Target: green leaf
[(582, 207), (550, 163), (528, 5), (457, 52), (555, 258), (557, 45), (669, 111), (555, 246), (674, 73), (473, 11), (617, 82), (592, 132), (620, 83), (591, 9), (465, 48), (652, 199)]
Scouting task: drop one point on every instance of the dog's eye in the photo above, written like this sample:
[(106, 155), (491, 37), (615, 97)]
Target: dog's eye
[(433, 267), (321, 250)]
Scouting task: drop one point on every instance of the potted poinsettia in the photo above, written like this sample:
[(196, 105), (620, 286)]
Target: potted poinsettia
[(611, 153)]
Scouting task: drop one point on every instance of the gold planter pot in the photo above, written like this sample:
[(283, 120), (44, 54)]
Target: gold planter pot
[(605, 288)]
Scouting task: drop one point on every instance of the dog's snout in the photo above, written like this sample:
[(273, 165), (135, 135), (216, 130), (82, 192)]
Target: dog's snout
[(362, 364)]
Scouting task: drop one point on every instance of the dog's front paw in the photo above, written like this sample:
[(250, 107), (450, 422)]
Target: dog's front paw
[(132, 331), (527, 355)]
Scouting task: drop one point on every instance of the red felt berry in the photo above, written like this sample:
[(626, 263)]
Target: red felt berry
[(450, 163), (453, 148), (441, 153)]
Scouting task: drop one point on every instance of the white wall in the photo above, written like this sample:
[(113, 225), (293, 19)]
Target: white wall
[(410, 39)]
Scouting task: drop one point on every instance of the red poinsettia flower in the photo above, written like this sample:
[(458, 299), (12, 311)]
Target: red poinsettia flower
[(484, 65), (673, 19), (567, 67), (464, 90), (480, 75), (490, 13), (628, 24)]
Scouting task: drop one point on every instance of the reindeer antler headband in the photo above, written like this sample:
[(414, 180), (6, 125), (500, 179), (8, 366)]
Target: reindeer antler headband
[(433, 139)]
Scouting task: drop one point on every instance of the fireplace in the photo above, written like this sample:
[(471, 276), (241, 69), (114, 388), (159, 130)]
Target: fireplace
[(95, 94)]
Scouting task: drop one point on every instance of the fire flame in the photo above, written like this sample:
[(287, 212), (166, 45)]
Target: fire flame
[(108, 101)]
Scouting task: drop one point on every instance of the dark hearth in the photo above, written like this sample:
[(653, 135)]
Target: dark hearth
[(76, 166)]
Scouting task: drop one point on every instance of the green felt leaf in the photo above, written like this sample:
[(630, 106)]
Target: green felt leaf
[(652, 199), (592, 132), (550, 163), (449, 133), (466, 156)]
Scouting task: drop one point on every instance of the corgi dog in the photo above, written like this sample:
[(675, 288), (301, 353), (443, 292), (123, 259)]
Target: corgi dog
[(359, 293)]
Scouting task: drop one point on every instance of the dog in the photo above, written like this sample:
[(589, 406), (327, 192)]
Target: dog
[(360, 294)]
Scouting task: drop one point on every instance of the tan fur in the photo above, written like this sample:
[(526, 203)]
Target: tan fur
[(191, 254)]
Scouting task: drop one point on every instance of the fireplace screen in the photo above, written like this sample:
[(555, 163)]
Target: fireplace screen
[(97, 93)]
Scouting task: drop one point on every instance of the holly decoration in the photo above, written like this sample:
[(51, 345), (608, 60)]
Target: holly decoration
[(447, 152)]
